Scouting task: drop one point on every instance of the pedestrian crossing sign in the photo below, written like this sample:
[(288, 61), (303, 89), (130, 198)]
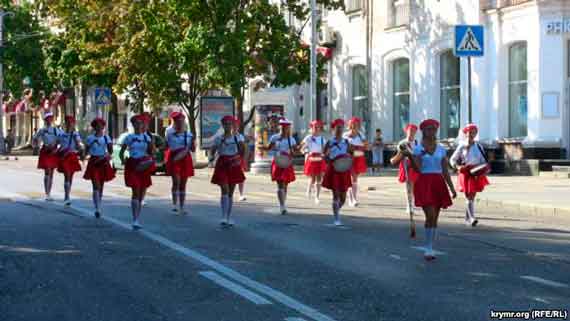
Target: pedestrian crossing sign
[(469, 41)]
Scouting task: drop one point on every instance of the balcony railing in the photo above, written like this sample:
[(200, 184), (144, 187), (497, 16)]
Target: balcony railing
[(498, 4), (400, 14)]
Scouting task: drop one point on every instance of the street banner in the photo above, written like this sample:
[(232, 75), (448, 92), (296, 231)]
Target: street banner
[(212, 110), (264, 129)]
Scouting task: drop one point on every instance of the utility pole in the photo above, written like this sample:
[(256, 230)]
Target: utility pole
[(2, 144), (314, 40)]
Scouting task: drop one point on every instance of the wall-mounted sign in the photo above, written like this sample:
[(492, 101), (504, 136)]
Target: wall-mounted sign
[(212, 110), (558, 26)]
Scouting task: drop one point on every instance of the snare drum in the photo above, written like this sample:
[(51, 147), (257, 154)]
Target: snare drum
[(283, 160), (482, 169), (315, 157), (342, 163), (145, 164)]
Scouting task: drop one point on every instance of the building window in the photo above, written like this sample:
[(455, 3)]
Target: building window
[(401, 95), (398, 13), (360, 106), (353, 5), (450, 94), (518, 82)]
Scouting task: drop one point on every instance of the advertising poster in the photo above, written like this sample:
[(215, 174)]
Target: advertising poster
[(212, 110), (265, 127)]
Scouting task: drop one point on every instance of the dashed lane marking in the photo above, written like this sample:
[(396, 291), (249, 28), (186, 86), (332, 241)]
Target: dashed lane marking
[(544, 281), (222, 269), (234, 287), (423, 249)]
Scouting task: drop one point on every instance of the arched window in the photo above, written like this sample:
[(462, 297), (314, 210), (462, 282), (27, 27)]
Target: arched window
[(450, 94), (401, 95), (518, 83)]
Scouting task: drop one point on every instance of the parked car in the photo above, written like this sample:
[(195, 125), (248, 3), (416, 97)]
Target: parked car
[(160, 144)]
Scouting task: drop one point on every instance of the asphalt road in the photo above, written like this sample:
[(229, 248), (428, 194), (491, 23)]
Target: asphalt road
[(60, 263)]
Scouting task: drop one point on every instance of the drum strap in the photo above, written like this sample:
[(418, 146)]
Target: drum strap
[(482, 152)]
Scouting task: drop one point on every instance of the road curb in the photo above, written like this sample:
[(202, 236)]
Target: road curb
[(534, 210)]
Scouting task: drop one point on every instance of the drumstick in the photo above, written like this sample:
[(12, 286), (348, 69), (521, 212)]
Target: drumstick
[(409, 200)]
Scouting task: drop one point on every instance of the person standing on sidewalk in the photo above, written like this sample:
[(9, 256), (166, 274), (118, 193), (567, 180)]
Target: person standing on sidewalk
[(282, 171), (378, 151), (48, 159), (338, 149), (228, 171), (469, 155), (431, 192), (180, 165), (359, 145), (69, 147), (313, 145), (407, 174), (99, 169), (139, 166)]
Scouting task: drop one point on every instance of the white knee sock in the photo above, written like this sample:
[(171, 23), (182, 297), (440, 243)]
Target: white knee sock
[(46, 185), (429, 238), (309, 189), (355, 191), (471, 206), (318, 188), (67, 189), (135, 204), (174, 197), (336, 209), (224, 202), (230, 206), (96, 199), (241, 188), (181, 199), (281, 198)]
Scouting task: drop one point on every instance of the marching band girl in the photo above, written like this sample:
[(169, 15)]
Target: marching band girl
[(407, 174), (174, 193), (69, 145), (360, 145), (99, 170), (179, 166), (468, 155), (139, 166), (235, 131), (314, 145), (48, 160), (228, 171), (339, 182), (283, 173), (430, 192)]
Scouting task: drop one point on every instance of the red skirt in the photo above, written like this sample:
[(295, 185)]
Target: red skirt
[(183, 167), (69, 164), (98, 170), (228, 171), (470, 184), (412, 174), (138, 179), (431, 190), (166, 155), (313, 168), (336, 181), (47, 160), (359, 165), (282, 175)]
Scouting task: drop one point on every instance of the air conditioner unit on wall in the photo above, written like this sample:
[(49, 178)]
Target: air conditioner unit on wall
[(327, 37)]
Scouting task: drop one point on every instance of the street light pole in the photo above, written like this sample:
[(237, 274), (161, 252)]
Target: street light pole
[(2, 144), (314, 39)]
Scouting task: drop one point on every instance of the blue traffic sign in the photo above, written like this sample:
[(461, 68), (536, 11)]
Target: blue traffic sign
[(102, 97), (469, 41)]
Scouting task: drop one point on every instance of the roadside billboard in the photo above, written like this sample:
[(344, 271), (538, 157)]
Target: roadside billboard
[(212, 110)]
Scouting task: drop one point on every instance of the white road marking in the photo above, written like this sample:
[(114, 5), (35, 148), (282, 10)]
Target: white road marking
[(423, 249), (236, 276), (397, 257), (234, 287), (544, 281)]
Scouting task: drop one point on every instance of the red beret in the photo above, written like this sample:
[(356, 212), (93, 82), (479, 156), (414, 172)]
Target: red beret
[(429, 122), (316, 123), (410, 126), (337, 122), (284, 122), (469, 128), (99, 121), (237, 121), (137, 118), (355, 120), (176, 114), (70, 119), (146, 117), (228, 118)]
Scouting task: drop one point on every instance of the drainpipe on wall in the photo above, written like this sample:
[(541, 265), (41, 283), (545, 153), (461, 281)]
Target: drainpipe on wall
[(369, 31)]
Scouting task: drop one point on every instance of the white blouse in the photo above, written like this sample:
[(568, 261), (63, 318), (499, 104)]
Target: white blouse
[(315, 144), (467, 155)]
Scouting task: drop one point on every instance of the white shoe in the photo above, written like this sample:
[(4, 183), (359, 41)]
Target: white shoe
[(317, 201), (283, 211), (48, 198), (338, 223), (224, 222), (242, 198), (67, 202), (230, 222), (143, 203), (136, 225), (429, 255)]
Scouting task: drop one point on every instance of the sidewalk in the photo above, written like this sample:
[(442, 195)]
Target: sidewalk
[(531, 194)]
